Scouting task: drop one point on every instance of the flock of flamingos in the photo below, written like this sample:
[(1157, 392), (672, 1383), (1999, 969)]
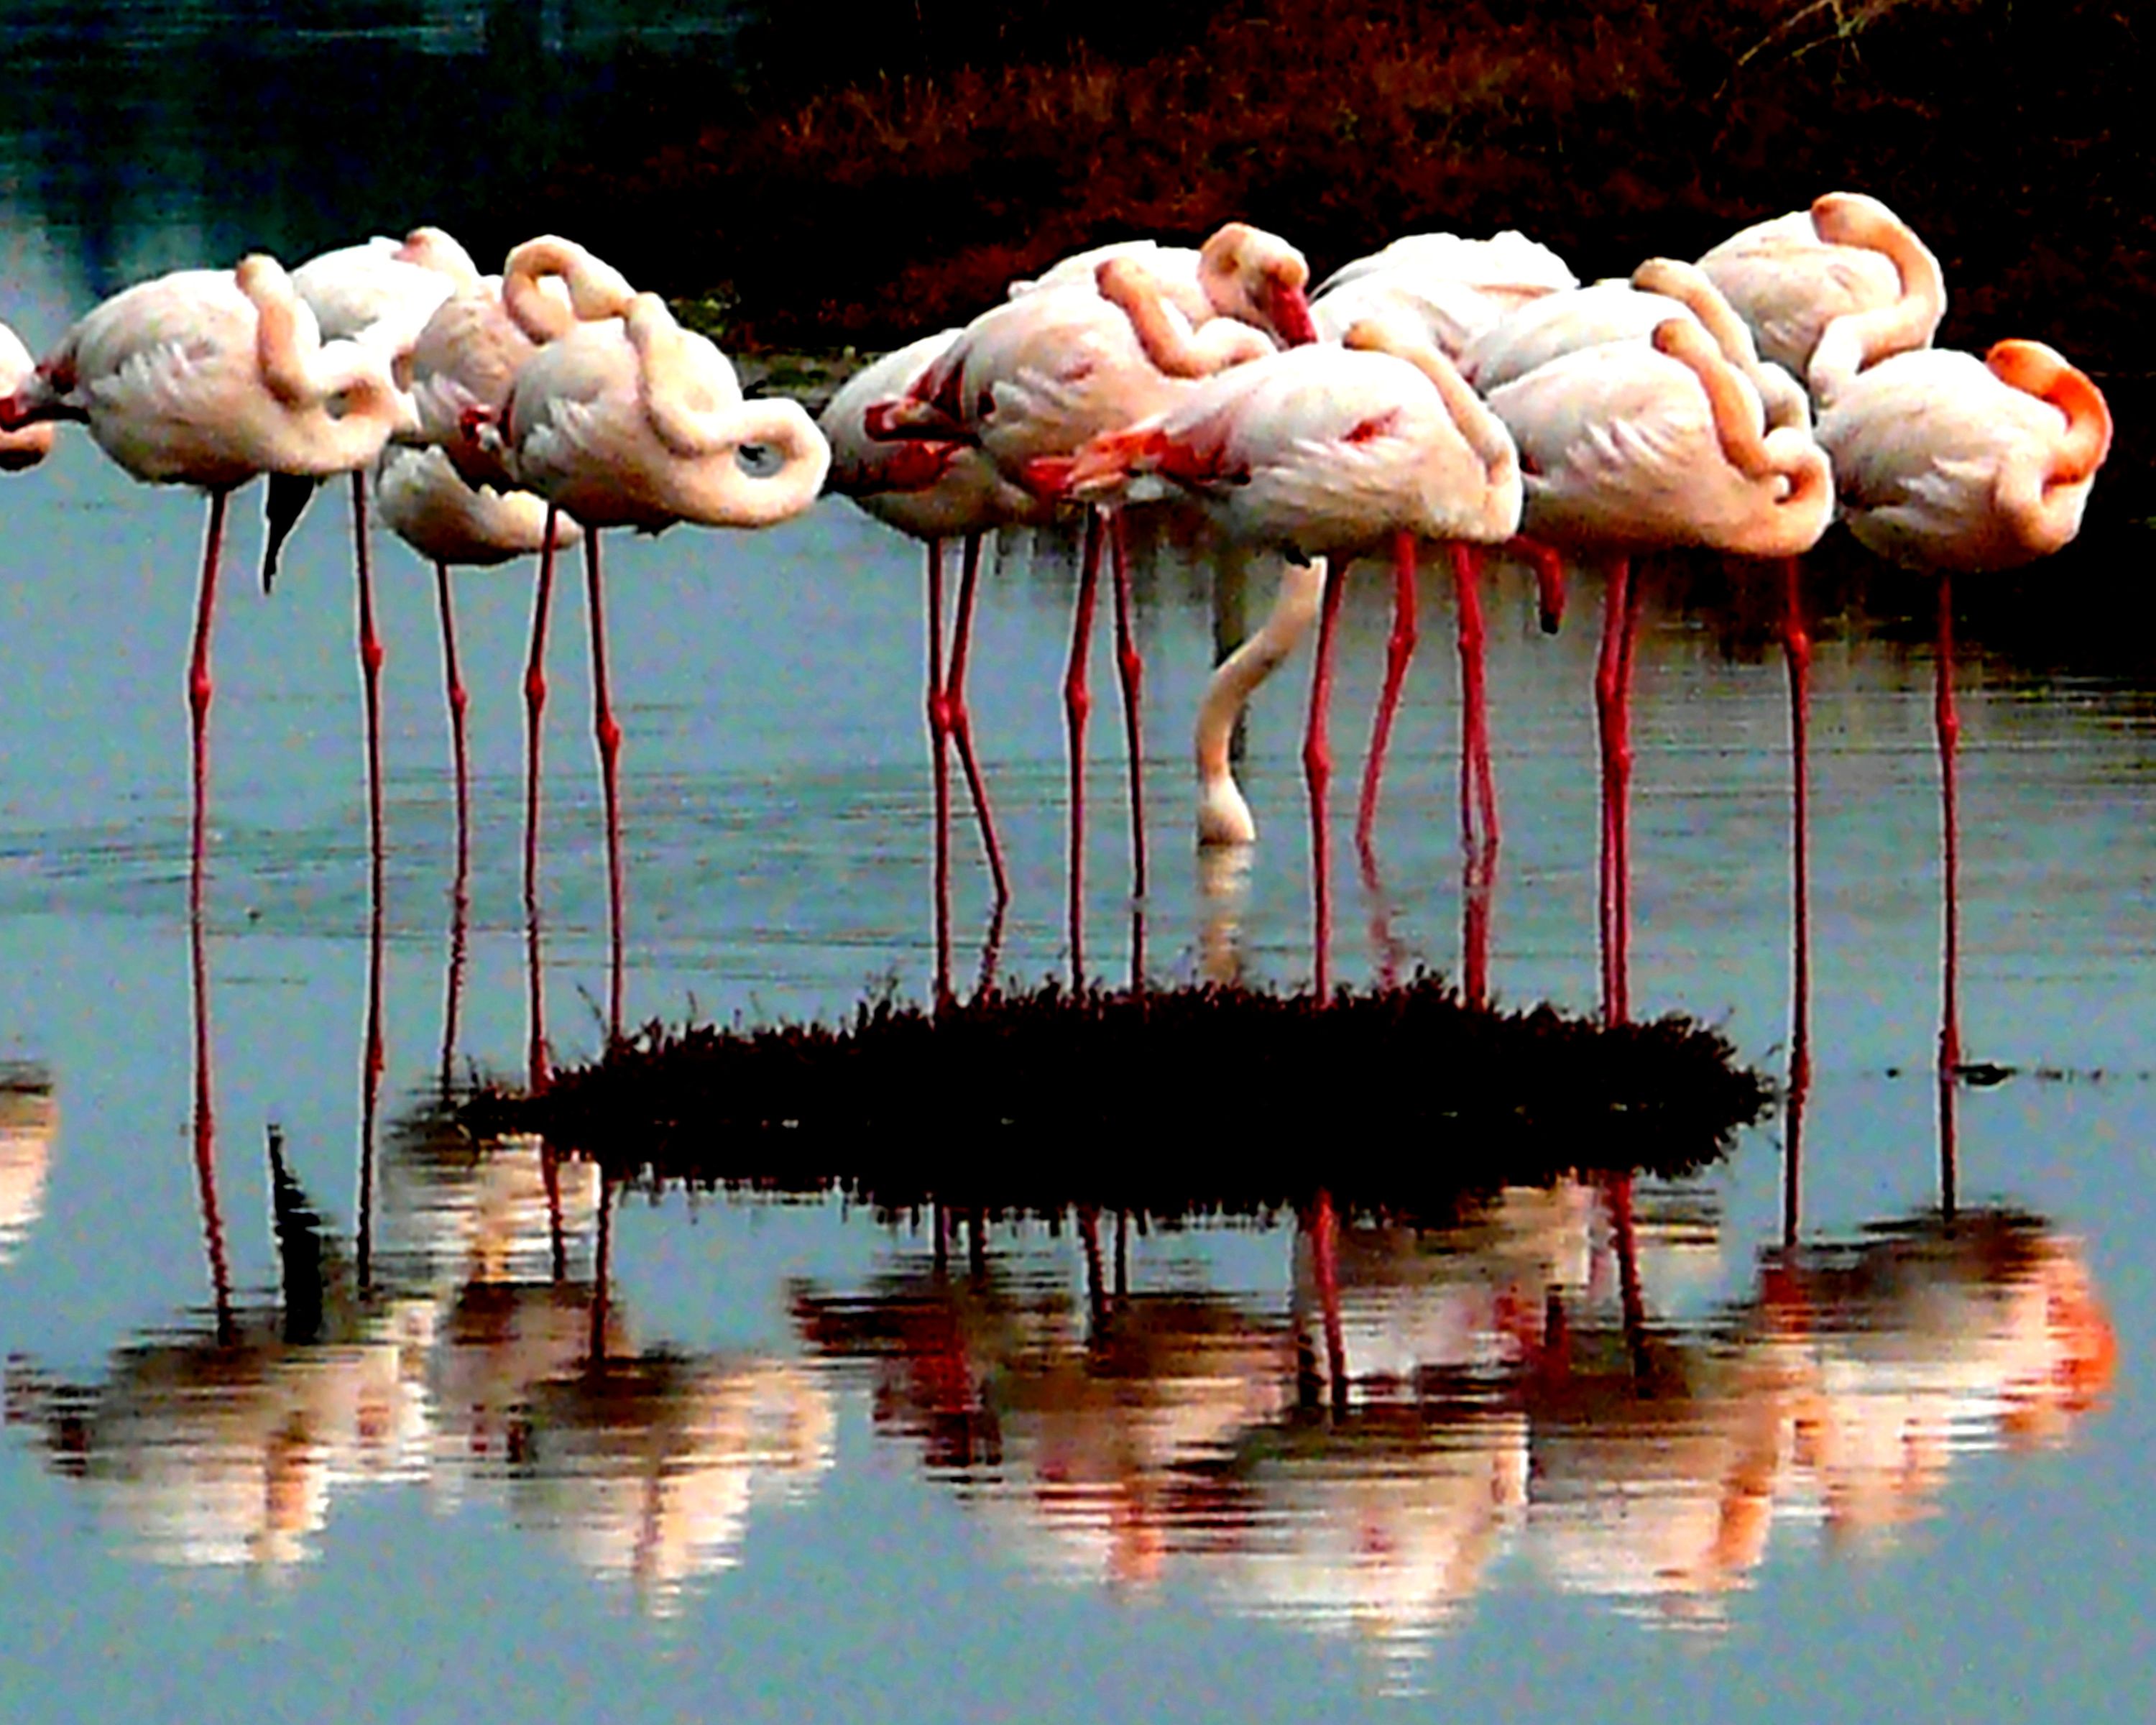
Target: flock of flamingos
[(1466, 392)]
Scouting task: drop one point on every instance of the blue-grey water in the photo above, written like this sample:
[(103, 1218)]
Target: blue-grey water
[(826, 1475)]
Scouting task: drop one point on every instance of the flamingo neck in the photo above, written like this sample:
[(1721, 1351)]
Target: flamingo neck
[(596, 290), (1174, 348), (1862, 338)]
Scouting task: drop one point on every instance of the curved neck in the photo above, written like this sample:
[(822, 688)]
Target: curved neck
[(1174, 348), (1224, 817), (746, 500), (1483, 431), (1861, 338), (596, 290), (1780, 395), (284, 343), (2087, 439)]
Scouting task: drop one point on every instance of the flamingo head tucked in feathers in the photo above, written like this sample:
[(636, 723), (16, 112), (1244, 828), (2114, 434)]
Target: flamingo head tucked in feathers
[(1260, 279)]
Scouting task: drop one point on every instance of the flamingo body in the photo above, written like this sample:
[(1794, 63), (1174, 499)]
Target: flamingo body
[(1453, 289), (1945, 461)]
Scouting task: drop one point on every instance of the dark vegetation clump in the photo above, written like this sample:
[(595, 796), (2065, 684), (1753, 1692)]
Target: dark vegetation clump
[(1177, 1102)]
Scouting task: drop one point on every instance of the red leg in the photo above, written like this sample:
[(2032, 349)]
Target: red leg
[(1475, 772), (1478, 871), (939, 737), (535, 707), (453, 684), (199, 689), (1325, 1268), (1318, 774), (1077, 703), (961, 728), (1398, 650), (1947, 719), (370, 655), (1131, 671), (608, 734), (1797, 650), (1609, 689)]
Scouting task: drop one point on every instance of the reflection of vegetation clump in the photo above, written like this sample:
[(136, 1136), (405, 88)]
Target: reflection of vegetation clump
[(1188, 1099), (1612, 129)]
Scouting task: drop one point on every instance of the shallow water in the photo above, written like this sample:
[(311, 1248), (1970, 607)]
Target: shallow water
[(833, 1474)]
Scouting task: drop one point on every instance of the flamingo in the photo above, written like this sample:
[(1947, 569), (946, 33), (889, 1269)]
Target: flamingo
[(1455, 288), (1241, 272), (931, 489), (1948, 463), (1828, 290), (635, 422), (380, 294), (1329, 451), (28, 447), (1630, 445), (207, 378), (1034, 379)]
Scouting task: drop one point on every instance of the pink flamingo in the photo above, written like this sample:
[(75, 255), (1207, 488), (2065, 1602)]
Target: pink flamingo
[(635, 422), (1947, 463), (1627, 446), (30, 445), (207, 378)]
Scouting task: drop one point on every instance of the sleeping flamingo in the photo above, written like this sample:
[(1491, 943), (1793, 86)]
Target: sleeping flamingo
[(634, 422), (207, 378), (1627, 446), (28, 447), (1828, 290), (1946, 463)]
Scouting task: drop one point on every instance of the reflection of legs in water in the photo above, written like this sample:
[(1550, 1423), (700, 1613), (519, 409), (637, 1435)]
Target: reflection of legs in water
[(370, 1083), (602, 1269), (205, 1128), (1325, 1270), (1384, 946)]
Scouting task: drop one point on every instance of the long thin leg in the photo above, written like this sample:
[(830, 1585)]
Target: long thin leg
[(1318, 774), (1476, 776), (369, 1078), (199, 689), (1948, 719), (1077, 703), (453, 686), (1130, 671), (608, 734), (1398, 650), (961, 723), (1610, 680), (370, 654), (939, 737), (1797, 649), (535, 707), (1478, 875)]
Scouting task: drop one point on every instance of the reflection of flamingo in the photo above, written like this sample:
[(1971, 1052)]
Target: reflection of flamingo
[(30, 445), (207, 378), (1830, 289), (1330, 450), (1944, 462), (636, 423), (1627, 446)]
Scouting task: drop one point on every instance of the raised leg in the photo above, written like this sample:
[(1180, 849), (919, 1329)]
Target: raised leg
[(961, 723), (1549, 579), (1077, 703), (1398, 650), (1130, 671), (370, 654), (608, 734), (1317, 775)]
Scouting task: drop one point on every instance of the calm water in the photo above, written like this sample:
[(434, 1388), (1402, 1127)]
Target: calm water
[(826, 1475)]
